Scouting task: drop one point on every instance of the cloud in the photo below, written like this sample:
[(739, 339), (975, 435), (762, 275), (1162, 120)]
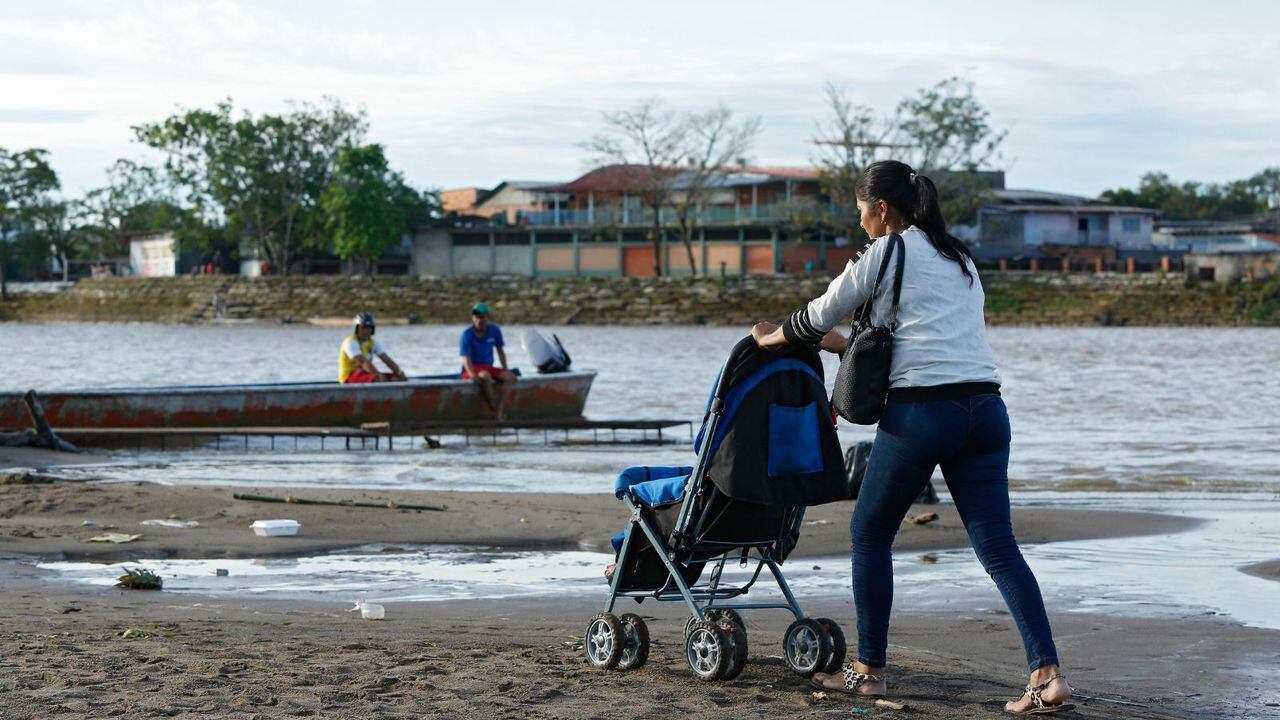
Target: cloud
[(37, 116), (463, 94)]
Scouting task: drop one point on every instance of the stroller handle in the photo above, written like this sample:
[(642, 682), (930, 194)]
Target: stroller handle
[(744, 347)]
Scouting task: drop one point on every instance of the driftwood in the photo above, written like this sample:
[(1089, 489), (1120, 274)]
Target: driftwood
[(289, 499), (43, 436)]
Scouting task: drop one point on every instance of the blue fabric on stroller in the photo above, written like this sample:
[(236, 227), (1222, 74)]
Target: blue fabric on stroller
[(650, 485)]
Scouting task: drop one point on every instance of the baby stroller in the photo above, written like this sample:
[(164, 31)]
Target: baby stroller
[(766, 450)]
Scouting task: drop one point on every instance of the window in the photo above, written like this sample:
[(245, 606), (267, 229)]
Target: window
[(1129, 224)]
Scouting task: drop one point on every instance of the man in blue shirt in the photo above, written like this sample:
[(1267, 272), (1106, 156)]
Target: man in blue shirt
[(479, 344)]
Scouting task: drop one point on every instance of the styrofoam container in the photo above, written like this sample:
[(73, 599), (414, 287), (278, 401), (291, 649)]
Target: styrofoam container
[(275, 528)]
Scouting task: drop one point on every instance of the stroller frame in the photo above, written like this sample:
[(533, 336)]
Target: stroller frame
[(809, 645)]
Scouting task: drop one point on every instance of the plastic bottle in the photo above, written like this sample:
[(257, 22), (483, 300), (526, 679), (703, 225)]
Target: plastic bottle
[(368, 610)]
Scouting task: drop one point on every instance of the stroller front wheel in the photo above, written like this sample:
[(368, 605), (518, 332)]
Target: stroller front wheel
[(604, 641), (635, 645), (806, 647), (709, 649)]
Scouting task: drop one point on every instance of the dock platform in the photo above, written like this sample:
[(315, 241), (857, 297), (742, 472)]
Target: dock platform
[(380, 434)]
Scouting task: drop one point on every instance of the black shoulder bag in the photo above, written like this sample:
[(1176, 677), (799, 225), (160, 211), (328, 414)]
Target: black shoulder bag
[(863, 379)]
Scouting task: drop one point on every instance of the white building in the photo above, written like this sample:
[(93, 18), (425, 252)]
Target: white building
[(154, 255), (1025, 221)]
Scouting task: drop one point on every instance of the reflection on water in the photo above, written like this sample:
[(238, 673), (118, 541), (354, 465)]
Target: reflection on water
[(1093, 409), (1188, 573)]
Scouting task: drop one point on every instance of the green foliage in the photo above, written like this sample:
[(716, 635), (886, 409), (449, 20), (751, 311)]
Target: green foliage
[(1235, 200), (26, 182), (139, 579), (942, 131), (52, 233), (136, 199), (362, 204), (257, 178)]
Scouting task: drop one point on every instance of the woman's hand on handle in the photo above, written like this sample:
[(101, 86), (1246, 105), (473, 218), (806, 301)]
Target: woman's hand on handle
[(835, 342), (768, 335)]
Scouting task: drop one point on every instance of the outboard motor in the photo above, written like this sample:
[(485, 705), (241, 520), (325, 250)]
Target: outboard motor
[(548, 357)]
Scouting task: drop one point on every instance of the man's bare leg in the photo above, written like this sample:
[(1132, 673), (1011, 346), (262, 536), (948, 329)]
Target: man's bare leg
[(486, 389), (506, 393)]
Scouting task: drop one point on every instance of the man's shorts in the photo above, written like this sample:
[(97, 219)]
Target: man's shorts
[(494, 371), (359, 375)]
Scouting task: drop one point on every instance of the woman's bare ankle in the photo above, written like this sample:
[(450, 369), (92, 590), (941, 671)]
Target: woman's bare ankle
[(866, 669), (1057, 689)]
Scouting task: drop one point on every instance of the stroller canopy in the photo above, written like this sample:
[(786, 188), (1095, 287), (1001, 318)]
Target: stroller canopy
[(775, 442)]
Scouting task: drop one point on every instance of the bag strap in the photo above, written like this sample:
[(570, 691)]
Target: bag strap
[(864, 313)]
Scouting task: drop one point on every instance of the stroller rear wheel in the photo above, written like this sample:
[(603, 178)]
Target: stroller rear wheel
[(838, 647), (806, 647), (604, 641), (635, 646), (713, 616), (709, 649), (733, 626)]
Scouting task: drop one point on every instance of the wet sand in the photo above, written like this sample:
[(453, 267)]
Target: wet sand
[(246, 657), (47, 520), (1269, 570)]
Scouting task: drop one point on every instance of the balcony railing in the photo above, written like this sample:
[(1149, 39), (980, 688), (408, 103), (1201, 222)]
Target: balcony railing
[(641, 217)]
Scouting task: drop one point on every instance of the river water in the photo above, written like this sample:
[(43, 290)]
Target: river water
[(1182, 421), (1093, 409)]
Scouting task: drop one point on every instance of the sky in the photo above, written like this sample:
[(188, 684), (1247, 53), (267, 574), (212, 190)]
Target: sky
[(1093, 94)]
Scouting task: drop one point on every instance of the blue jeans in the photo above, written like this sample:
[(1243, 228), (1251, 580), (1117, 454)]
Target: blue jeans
[(969, 438)]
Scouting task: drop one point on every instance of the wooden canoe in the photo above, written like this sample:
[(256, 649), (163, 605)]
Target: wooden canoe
[(426, 400)]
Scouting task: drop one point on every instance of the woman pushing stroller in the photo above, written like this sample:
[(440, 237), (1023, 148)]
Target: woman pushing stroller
[(944, 408)]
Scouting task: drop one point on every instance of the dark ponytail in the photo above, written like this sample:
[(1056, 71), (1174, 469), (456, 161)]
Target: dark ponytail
[(915, 197)]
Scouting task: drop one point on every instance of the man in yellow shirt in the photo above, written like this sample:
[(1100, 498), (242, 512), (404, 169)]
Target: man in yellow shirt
[(355, 358)]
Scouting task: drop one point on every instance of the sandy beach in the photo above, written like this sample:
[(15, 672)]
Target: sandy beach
[(250, 657)]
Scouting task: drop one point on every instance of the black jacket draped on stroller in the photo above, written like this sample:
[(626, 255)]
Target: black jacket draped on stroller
[(767, 449)]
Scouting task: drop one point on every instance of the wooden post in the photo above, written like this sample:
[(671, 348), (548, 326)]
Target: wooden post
[(1129, 265), (44, 432), (1035, 264), (1097, 265), (1004, 265), (1164, 263), (1066, 265)]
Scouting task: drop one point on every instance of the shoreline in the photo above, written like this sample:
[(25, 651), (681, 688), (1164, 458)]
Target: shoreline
[(1013, 298), (1267, 570), (245, 655), (47, 521)]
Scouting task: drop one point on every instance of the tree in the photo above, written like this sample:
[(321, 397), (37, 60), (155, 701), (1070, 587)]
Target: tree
[(848, 141), (259, 178), (26, 181), (714, 144), (136, 199), (55, 232), (420, 207), (649, 140), (1190, 200), (942, 131), (362, 205)]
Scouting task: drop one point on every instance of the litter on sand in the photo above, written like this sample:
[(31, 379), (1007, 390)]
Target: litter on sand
[(923, 518), (368, 610), (882, 703), (168, 522), (139, 579), (115, 537), (275, 528)]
